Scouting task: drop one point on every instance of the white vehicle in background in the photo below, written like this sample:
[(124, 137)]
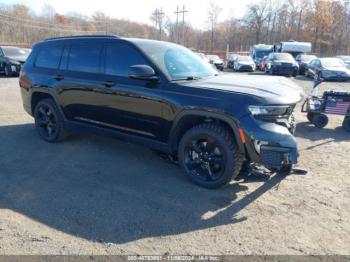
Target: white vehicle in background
[(244, 63), (346, 60), (292, 47), (203, 56), (216, 61)]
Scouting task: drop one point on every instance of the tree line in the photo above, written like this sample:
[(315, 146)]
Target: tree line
[(324, 23)]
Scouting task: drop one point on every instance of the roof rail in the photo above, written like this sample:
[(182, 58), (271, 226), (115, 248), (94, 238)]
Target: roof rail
[(81, 36)]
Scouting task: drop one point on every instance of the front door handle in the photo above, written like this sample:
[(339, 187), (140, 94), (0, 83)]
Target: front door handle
[(109, 83), (58, 77)]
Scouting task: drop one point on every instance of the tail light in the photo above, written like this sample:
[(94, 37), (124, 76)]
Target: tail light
[(23, 80)]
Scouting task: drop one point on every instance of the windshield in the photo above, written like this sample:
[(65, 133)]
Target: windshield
[(175, 61), (16, 52), (307, 58), (261, 54), (245, 59), (285, 57), (332, 62)]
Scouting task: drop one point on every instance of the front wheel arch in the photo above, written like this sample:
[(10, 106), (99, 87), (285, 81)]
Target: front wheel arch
[(179, 129)]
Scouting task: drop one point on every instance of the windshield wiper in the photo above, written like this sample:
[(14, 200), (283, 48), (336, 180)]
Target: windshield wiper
[(188, 78)]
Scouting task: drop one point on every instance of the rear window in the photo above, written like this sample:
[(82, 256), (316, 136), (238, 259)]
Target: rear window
[(49, 56), (84, 58)]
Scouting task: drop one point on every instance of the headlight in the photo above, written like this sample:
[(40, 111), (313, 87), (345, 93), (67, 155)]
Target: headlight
[(269, 110)]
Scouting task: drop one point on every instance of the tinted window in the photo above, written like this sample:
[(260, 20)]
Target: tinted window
[(49, 56), (84, 58), (120, 57)]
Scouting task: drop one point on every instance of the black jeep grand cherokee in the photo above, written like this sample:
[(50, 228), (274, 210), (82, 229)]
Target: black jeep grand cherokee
[(165, 97)]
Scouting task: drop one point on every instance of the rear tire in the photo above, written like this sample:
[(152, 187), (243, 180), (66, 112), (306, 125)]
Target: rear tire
[(309, 116), (346, 124), (320, 120), (209, 155), (49, 121)]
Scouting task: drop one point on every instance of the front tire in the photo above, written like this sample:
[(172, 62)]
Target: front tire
[(209, 155), (320, 120), (49, 121)]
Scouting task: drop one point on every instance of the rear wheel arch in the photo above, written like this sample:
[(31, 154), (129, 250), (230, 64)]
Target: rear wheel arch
[(188, 119), (43, 94)]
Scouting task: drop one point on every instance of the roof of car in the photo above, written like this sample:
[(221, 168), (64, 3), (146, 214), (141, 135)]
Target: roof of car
[(80, 36)]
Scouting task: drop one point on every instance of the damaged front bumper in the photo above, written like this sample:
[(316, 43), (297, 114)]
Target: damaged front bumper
[(267, 143)]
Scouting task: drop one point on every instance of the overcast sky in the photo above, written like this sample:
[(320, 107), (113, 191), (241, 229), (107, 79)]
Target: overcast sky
[(140, 10)]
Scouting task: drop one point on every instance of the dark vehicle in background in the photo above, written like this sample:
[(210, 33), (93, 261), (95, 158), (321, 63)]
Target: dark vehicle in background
[(303, 61), (163, 96), (281, 64), (263, 63), (216, 61), (244, 63), (328, 69), (11, 59), (258, 52), (346, 60), (231, 60)]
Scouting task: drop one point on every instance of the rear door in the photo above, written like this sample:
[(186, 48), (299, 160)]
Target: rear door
[(78, 78)]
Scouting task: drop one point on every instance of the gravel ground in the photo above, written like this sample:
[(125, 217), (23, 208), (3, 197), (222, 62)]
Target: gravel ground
[(95, 195)]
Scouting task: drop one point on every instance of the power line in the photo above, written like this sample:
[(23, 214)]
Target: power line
[(48, 28), (45, 23)]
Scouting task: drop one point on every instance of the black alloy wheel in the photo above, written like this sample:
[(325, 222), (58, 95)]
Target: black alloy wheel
[(209, 155), (204, 158), (48, 121)]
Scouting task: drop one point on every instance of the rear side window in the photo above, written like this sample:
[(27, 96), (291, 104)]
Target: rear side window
[(119, 57), (49, 56), (84, 58)]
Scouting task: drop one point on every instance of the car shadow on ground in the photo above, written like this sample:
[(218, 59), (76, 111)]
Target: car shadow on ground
[(308, 131), (105, 190)]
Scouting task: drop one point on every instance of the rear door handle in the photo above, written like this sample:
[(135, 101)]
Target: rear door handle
[(58, 77), (109, 83)]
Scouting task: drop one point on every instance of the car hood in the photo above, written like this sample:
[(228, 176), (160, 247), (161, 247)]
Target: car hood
[(274, 90), (20, 59), (284, 61), (337, 69), (246, 63)]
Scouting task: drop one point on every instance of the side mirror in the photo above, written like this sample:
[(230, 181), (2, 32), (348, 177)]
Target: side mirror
[(144, 72)]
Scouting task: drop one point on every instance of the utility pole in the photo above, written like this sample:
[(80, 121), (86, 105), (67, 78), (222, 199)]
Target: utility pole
[(183, 24), (177, 24), (178, 11), (159, 15)]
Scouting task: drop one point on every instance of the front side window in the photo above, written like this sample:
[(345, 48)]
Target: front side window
[(175, 61), (120, 57), (49, 56), (84, 58)]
